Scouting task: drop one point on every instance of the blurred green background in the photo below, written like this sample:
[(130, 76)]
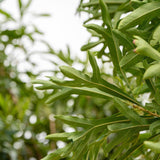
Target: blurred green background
[(25, 119)]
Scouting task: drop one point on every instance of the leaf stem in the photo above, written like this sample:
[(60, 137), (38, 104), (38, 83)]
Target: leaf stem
[(144, 110)]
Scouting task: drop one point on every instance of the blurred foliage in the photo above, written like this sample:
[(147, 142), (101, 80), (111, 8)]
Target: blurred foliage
[(100, 110), (25, 119), (21, 119)]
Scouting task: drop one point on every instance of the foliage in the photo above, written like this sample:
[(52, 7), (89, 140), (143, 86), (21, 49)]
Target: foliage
[(19, 102), (132, 126), (23, 119)]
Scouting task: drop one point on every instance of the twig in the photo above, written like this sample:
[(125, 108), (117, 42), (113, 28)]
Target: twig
[(144, 110)]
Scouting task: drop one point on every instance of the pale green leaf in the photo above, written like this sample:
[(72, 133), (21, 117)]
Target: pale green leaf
[(91, 45), (145, 49), (99, 30), (45, 84), (105, 13), (58, 136), (96, 72), (153, 70), (74, 74), (61, 136), (6, 14), (154, 146), (130, 59), (155, 37), (146, 11)]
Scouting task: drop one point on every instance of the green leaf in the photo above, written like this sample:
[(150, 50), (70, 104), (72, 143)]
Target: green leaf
[(115, 91), (94, 92), (75, 121), (128, 113), (103, 89), (61, 136), (155, 37), (145, 49), (45, 84), (135, 147), (114, 2), (125, 145), (28, 4), (120, 138), (61, 82), (42, 15), (143, 88), (58, 136), (155, 127), (105, 13), (146, 11), (6, 14), (153, 70), (130, 59), (20, 4), (74, 74), (123, 39), (154, 146), (113, 47), (125, 126), (60, 94), (99, 30), (91, 45), (96, 72), (59, 153)]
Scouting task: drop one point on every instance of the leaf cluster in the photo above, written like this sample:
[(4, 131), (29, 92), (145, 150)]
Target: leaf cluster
[(131, 45)]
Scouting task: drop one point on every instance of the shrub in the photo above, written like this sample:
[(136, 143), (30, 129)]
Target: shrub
[(127, 126)]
